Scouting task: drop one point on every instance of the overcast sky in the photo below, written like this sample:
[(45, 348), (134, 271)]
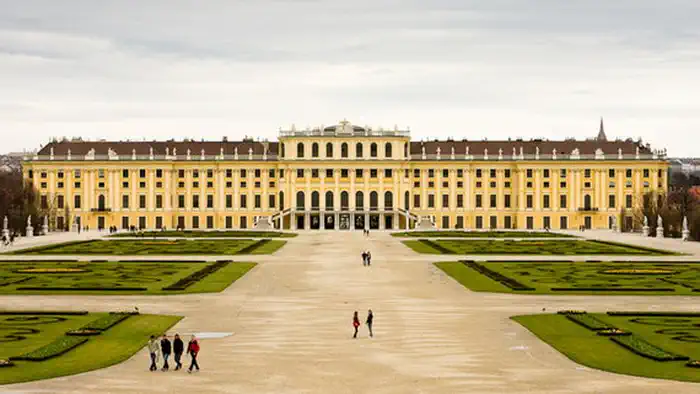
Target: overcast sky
[(494, 69)]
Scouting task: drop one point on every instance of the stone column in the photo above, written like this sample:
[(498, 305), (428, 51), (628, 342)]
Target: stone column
[(352, 221)]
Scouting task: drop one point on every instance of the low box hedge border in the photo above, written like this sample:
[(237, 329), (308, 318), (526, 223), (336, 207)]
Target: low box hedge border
[(56, 348), (106, 322), (255, 245), (616, 289), (654, 314), (195, 277), (115, 289), (498, 277), (6, 363), (644, 248), (590, 322), (646, 349), (69, 313), (52, 246)]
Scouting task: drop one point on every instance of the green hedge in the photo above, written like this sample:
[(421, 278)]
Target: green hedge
[(646, 349), (655, 314), (44, 313), (498, 277), (53, 349), (77, 288), (250, 248), (106, 322), (588, 321), (616, 289), (195, 277)]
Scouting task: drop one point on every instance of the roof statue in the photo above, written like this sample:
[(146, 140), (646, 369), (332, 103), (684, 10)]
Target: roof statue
[(537, 153), (452, 153), (466, 154), (601, 132), (189, 154), (437, 151), (486, 153), (514, 154), (636, 153), (500, 153), (235, 153), (619, 153), (174, 151), (423, 152), (133, 154), (68, 155), (659, 222), (554, 154), (167, 151), (599, 154), (201, 156), (150, 153)]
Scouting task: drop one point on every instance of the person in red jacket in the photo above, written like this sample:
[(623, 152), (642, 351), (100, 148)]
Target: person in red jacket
[(355, 323), (193, 350)]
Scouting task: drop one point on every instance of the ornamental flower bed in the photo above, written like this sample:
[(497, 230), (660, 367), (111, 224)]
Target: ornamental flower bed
[(571, 312), (612, 332), (56, 270), (693, 364), (5, 363), (83, 332)]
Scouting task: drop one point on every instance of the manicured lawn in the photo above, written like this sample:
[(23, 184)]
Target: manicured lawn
[(118, 277), (590, 278), (41, 334), (564, 247), (657, 335), (207, 234), (159, 247), (479, 234)]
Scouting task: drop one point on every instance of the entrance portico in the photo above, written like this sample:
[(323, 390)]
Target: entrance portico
[(347, 220)]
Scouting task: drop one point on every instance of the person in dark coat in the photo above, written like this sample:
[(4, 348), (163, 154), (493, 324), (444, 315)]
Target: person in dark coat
[(370, 319), (364, 258), (178, 349), (165, 349), (355, 323)]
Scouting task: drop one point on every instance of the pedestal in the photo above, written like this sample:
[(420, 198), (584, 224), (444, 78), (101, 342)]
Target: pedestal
[(6, 233), (30, 231), (645, 231), (659, 232), (685, 235), (45, 229), (74, 227)]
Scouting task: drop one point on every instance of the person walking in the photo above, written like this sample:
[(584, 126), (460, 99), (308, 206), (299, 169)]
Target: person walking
[(165, 348), (193, 350), (355, 323), (178, 347), (369, 258), (153, 349), (364, 258), (370, 319)]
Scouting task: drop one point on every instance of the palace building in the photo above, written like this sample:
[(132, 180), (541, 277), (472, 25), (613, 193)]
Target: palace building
[(345, 177)]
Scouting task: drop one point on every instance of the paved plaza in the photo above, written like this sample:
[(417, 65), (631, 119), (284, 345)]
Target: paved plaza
[(291, 323)]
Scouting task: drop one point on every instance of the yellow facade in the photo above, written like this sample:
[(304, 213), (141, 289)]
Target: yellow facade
[(318, 178)]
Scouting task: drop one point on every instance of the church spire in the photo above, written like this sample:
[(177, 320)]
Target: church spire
[(601, 133)]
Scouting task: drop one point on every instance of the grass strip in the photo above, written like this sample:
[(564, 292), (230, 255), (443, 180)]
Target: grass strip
[(614, 289), (498, 277), (195, 277), (30, 312), (56, 348), (106, 322), (654, 314), (590, 322), (646, 349), (116, 289)]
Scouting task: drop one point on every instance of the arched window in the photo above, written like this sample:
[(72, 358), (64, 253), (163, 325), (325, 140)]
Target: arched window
[(315, 201), (373, 201), (300, 201), (359, 201), (406, 197), (587, 201), (373, 150), (101, 202), (300, 150), (405, 150), (329, 150), (358, 150), (388, 200), (388, 150), (344, 201), (281, 201), (314, 149), (329, 201), (344, 150)]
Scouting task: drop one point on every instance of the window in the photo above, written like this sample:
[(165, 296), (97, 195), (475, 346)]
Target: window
[(229, 222), (611, 173), (344, 150), (358, 173), (545, 201), (344, 173), (125, 201), (628, 173), (493, 222), (159, 222), (587, 173), (562, 201), (180, 173), (210, 201), (445, 201), (611, 201), (300, 173), (281, 173), (300, 150), (77, 174), (562, 185), (479, 222), (125, 222), (460, 222), (314, 149), (244, 201), (195, 201), (507, 222), (229, 201), (329, 173), (44, 202), (271, 201), (506, 200), (507, 173), (562, 173), (492, 184), (229, 173), (563, 222), (545, 172), (159, 173), (77, 185), (388, 150), (30, 174), (460, 201), (479, 203), (244, 173), (493, 200), (445, 173), (329, 150), (60, 201), (530, 222), (373, 150), (373, 173), (195, 222), (159, 201), (60, 174), (492, 173), (271, 173), (77, 202), (547, 222), (529, 173), (258, 201), (314, 173), (142, 173), (244, 222), (478, 172), (244, 185), (445, 222), (646, 173), (358, 150), (195, 184), (416, 173), (416, 201), (181, 201), (142, 201), (195, 173), (125, 173), (388, 173), (431, 201), (628, 201), (460, 173), (257, 173), (142, 222)]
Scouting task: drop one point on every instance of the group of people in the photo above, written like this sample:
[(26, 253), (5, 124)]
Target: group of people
[(366, 258), (365, 232), (166, 348), (368, 322), (8, 240)]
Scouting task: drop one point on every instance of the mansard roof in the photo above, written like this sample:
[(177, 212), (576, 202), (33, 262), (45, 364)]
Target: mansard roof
[(125, 148), (585, 147)]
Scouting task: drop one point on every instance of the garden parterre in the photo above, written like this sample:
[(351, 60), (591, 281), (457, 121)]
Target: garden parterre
[(564, 247), (156, 247), (583, 277), (207, 234), (479, 234), (118, 277), (651, 344), (42, 345)]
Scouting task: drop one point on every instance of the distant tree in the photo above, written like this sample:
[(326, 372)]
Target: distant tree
[(18, 199)]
